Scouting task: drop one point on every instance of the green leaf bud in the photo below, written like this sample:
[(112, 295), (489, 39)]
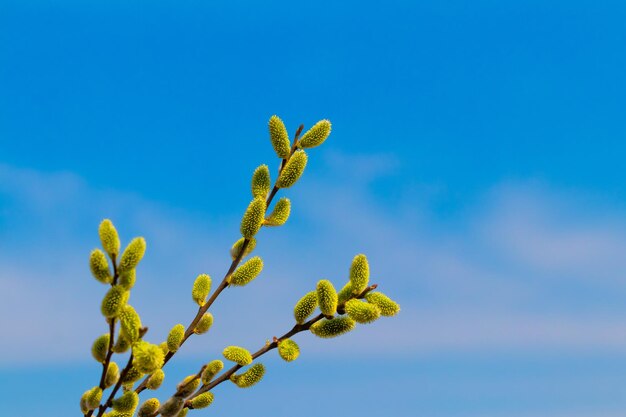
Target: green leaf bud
[(132, 255), (172, 407), (261, 182), (127, 402), (114, 301), (326, 297), (293, 169), (149, 408), (127, 279), (112, 375), (279, 137), (91, 398), (213, 368), (288, 350), (280, 214), (305, 307), (100, 266), (345, 294), (205, 323), (386, 305), (201, 289), (121, 345), (100, 348), (132, 375), (109, 238), (187, 386), (238, 355), (247, 272), (175, 337), (359, 274), (234, 251), (316, 135), (331, 328), (253, 218), (130, 323), (202, 401), (147, 357), (156, 379), (250, 377), (362, 312)]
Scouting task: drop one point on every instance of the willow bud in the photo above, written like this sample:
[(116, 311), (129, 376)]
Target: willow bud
[(326, 297), (293, 169), (91, 398), (109, 238), (359, 274), (288, 350), (100, 266), (213, 368), (205, 323), (261, 182), (132, 375), (236, 248), (279, 137), (202, 401), (114, 301), (238, 355), (187, 386), (127, 402), (280, 214), (201, 289), (253, 218), (112, 375), (100, 347), (362, 312), (127, 279), (155, 380), (345, 294), (172, 407), (147, 357), (175, 337), (247, 272), (316, 135), (183, 412), (132, 255), (250, 377), (149, 408), (121, 345), (386, 305), (331, 328), (130, 323), (305, 307)]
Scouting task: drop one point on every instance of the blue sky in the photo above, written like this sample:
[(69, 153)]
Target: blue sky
[(476, 158)]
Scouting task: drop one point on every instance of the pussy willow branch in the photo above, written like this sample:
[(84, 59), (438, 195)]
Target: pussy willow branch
[(297, 328), (203, 309), (109, 401)]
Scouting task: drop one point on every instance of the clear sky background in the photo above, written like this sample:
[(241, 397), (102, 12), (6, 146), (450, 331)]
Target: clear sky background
[(477, 158)]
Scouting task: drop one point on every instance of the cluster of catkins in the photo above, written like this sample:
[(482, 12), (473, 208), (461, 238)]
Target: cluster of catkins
[(338, 313)]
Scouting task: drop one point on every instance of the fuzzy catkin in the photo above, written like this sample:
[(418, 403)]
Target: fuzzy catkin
[(109, 237), (99, 266), (359, 274), (172, 407), (293, 169), (205, 323), (326, 297), (202, 401), (253, 218), (250, 377), (187, 386), (238, 355), (149, 408), (130, 323), (175, 337), (132, 255), (305, 307), (147, 357), (201, 289), (114, 301), (279, 137), (213, 368), (261, 182), (331, 328), (280, 214), (112, 375), (288, 350), (247, 272), (316, 135), (155, 380), (100, 347), (127, 402), (386, 305), (236, 248), (127, 279), (362, 312)]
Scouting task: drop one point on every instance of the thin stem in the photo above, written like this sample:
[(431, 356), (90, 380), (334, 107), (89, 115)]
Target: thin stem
[(109, 401)]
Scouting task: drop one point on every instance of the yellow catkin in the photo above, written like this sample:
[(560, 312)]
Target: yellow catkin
[(316, 135), (156, 379), (326, 297), (91, 398), (246, 272), (280, 214), (279, 137), (201, 289), (147, 357), (112, 375), (130, 323), (288, 350), (205, 323), (109, 238), (175, 337), (99, 266), (359, 274), (305, 307), (362, 312), (149, 408), (172, 407), (202, 401), (114, 301), (261, 182), (253, 218), (213, 368), (132, 375), (127, 402), (127, 279), (238, 355), (187, 386), (100, 347), (331, 328), (236, 248), (250, 377), (292, 170), (345, 294), (386, 305), (132, 255), (121, 345)]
